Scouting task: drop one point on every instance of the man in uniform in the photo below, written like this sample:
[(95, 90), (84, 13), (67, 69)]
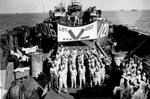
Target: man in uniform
[(94, 52), (62, 78), (53, 73), (97, 76), (66, 52), (81, 70), (102, 71), (73, 74), (61, 50), (74, 54), (80, 51), (87, 53), (91, 72)]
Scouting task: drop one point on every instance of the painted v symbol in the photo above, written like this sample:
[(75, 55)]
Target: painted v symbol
[(75, 37)]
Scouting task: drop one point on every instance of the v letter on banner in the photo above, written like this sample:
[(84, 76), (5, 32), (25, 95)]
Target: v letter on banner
[(78, 36)]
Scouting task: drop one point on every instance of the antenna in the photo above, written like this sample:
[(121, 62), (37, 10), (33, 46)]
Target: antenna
[(44, 11), (44, 8)]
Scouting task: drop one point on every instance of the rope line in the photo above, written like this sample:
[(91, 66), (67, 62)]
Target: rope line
[(137, 47)]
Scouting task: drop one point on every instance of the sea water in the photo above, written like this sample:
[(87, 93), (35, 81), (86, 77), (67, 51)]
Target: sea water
[(10, 21), (140, 19)]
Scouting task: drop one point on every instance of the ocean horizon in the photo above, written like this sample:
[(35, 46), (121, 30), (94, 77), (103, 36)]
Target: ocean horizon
[(139, 18)]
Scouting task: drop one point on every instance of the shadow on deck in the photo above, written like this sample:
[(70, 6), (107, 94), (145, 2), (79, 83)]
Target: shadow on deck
[(85, 93)]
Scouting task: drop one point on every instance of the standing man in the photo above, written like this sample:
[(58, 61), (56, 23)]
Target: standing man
[(67, 52), (73, 73), (91, 71), (102, 71), (81, 75), (62, 78), (97, 76), (54, 76), (74, 54)]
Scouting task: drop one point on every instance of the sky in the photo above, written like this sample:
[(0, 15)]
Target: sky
[(31, 6)]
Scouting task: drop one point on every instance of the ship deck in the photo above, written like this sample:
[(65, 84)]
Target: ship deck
[(86, 93)]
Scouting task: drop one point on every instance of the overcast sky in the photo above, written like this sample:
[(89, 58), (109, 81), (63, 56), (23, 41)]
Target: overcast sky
[(29, 6)]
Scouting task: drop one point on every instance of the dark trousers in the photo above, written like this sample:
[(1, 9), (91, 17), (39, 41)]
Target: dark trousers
[(54, 81)]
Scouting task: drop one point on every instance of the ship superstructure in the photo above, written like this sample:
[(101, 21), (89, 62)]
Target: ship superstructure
[(30, 46)]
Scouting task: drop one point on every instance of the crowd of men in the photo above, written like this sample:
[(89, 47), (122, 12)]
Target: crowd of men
[(77, 69), (134, 83)]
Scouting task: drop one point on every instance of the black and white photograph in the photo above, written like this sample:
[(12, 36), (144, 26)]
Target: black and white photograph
[(74, 49)]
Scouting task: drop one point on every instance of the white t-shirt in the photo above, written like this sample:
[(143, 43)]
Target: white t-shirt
[(73, 72), (82, 71)]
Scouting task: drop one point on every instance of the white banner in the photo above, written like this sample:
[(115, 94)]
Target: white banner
[(87, 32)]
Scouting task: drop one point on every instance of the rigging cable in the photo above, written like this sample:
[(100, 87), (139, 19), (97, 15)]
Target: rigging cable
[(137, 47)]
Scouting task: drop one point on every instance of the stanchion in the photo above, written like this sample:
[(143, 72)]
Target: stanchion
[(36, 64)]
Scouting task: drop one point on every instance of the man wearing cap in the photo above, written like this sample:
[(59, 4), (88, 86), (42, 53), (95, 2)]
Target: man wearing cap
[(102, 72), (87, 53), (91, 72), (82, 58), (94, 51), (62, 78), (80, 51), (74, 51), (140, 67), (66, 52), (57, 55), (81, 70), (54, 76), (57, 62), (61, 51), (66, 63), (138, 76), (97, 76), (131, 62), (74, 54), (73, 74)]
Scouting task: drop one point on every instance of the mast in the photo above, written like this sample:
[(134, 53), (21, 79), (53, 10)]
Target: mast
[(44, 11)]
